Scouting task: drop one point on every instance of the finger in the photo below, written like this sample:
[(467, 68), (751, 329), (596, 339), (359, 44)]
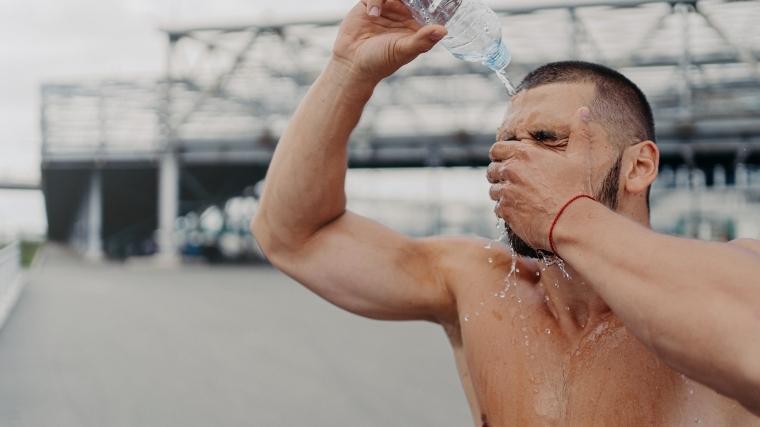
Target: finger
[(397, 9), (492, 173), (421, 41), (374, 7), (580, 146), (505, 150), (581, 128), (494, 192), (495, 173)]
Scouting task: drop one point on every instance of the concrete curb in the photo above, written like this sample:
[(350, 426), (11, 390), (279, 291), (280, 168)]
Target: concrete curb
[(9, 300), (12, 280)]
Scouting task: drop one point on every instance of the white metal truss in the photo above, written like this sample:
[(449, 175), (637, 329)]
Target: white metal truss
[(229, 90)]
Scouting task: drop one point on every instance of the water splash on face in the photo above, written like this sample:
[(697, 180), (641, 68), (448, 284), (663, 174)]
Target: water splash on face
[(501, 228)]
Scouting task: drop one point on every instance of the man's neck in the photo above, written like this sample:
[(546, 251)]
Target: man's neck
[(571, 298)]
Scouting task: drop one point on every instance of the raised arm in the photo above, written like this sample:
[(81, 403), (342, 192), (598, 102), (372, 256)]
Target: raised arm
[(302, 224), (696, 304)]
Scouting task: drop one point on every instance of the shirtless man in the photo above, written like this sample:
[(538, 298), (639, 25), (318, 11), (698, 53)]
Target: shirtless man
[(649, 330)]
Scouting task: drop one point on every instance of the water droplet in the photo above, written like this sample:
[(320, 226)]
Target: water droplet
[(556, 285), (691, 391), (519, 300), (538, 274), (490, 260), (567, 308), (489, 245), (502, 294), (548, 331), (546, 298), (466, 317), (517, 270)]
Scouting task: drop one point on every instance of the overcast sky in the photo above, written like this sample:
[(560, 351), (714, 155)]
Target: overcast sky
[(64, 40)]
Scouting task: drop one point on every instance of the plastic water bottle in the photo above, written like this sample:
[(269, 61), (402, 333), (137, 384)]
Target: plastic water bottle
[(474, 30)]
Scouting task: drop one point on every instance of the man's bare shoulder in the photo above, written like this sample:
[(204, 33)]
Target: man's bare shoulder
[(466, 250), (752, 245), (469, 259)]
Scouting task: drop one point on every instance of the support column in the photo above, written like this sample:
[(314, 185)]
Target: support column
[(685, 89), (575, 34), (168, 203), (168, 169), (94, 217)]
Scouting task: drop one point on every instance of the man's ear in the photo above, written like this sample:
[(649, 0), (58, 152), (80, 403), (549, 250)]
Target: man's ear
[(643, 161)]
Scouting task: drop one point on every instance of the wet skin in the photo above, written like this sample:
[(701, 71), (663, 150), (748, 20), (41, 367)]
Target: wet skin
[(551, 352), (534, 362), (581, 366)]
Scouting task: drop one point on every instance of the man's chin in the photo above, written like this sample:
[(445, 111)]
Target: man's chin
[(520, 247)]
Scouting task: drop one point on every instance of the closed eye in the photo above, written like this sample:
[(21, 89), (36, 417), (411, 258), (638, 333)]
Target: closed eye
[(549, 139), (543, 135)]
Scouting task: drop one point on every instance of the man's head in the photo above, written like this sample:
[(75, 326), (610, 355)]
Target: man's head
[(622, 156)]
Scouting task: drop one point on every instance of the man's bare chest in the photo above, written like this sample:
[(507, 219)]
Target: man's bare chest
[(528, 378)]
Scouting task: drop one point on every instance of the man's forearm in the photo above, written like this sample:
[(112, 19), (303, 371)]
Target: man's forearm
[(696, 304), (305, 183)]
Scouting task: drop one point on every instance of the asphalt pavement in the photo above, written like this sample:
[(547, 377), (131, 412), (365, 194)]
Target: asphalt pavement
[(136, 344)]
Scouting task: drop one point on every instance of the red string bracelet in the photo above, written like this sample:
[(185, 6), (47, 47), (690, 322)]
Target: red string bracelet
[(559, 214)]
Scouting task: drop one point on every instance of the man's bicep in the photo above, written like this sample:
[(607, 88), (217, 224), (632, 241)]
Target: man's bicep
[(373, 271)]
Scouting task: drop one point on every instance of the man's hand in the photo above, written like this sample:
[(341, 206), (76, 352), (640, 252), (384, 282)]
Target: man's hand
[(378, 37), (531, 181)]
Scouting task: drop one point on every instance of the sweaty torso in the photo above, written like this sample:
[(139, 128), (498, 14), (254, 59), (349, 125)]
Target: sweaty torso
[(519, 368)]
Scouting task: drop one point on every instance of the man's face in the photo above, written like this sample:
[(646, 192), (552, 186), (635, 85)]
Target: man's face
[(544, 116)]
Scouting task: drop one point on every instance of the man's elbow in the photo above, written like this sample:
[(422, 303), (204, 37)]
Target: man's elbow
[(262, 233), (275, 241)]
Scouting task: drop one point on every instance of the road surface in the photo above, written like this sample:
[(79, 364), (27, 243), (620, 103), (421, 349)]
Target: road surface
[(138, 345)]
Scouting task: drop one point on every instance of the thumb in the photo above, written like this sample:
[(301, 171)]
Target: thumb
[(581, 145), (420, 42), (580, 130)]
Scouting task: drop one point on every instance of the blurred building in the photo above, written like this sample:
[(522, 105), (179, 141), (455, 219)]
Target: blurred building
[(123, 161)]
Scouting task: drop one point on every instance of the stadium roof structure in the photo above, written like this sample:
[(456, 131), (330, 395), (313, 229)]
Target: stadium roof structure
[(229, 90)]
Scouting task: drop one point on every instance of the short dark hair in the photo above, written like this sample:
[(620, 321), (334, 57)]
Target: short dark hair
[(618, 101)]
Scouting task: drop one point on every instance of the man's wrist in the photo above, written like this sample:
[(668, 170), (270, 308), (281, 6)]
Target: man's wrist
[(347, 80), (572, 226)]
